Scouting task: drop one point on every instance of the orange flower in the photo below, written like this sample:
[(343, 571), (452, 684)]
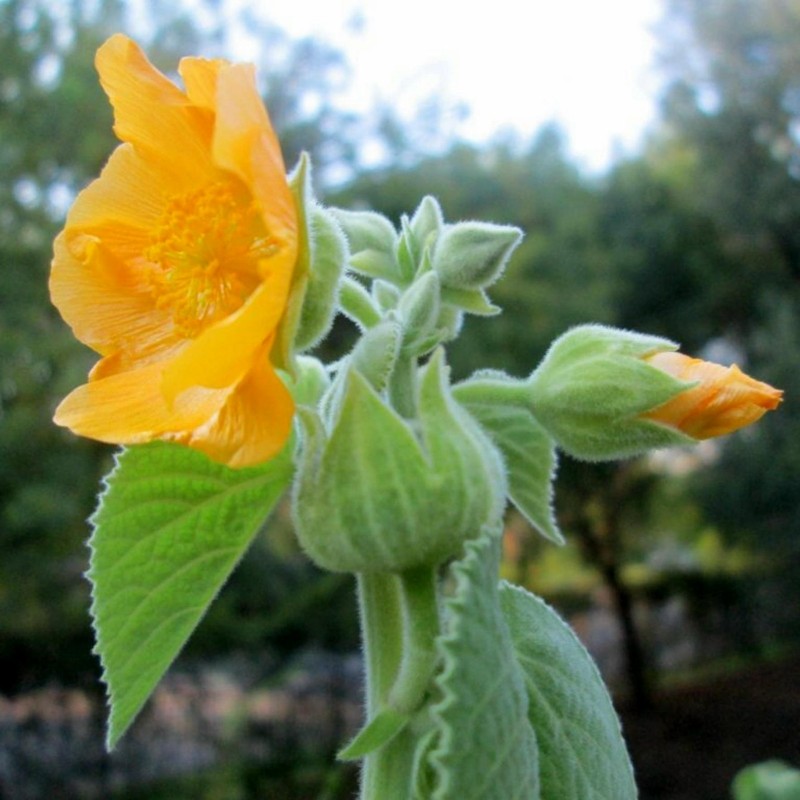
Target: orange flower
[(724, 400), (176, 264)]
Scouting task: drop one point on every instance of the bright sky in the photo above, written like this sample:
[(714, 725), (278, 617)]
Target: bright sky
[(515, 63)]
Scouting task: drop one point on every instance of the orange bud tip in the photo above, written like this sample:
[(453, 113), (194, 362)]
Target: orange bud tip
[(723, 400)]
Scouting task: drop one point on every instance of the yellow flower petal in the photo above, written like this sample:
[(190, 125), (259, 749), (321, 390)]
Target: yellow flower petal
[(151, 112), (245, 144), (130, 191), (129, 407), (102, 304), (242, 434), (724, 400), (200, 79)]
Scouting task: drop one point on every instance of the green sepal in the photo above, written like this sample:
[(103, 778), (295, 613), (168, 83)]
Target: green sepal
[(283, 350), (382, 728), (581, 749), (406, 254), (497, 402), (376, 352), (345, 482), (379, 495), (170, 527), (485, 747), (374, 358), (375, 264), (473, 301), (328, 258)]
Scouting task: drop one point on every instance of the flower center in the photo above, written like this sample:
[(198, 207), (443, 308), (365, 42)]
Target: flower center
[(204, 254)]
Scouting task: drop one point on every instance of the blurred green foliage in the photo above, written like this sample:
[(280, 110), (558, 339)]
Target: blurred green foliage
[(697, 238), (770, 780)]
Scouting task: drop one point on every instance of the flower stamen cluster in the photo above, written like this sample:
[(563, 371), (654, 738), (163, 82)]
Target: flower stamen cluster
[(206, 250)]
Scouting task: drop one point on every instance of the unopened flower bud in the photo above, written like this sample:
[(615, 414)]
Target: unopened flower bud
[(378, 493), (604, 393), (724, 399), (472, 255)]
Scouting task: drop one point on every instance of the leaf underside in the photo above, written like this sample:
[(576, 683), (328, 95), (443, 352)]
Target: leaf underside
[(581, 750), (485, 747)]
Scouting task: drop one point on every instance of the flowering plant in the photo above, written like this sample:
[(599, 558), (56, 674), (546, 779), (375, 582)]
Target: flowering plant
[(200, 273)]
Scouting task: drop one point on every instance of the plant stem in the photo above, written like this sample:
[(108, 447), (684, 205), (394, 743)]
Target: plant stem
[(400, 623)]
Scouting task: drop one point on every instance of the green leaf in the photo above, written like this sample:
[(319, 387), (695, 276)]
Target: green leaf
[(170, 527), (581, 750), (528, 450), (486, 747)]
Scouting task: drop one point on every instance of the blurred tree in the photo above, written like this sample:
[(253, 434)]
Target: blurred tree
[(733, 103), (54, 133)]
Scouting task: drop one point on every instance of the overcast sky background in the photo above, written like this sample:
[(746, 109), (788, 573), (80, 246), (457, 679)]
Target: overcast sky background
[(585, 64)]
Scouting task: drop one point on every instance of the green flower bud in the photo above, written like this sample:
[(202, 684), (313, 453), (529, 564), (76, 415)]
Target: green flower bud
[(312, 381), (473, 255), (419, 312), (380, 494), (372, 240), (427, 223), (593, 385)]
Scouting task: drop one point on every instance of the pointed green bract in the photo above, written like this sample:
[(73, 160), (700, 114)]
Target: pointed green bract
[(527, 449), (581, 750), (485, 747), (170, 527)]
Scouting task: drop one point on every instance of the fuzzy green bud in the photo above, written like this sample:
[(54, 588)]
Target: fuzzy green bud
[(379, 493), (592, 387), (427, 223), (372, 241), (473, 255), (419, 312)]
